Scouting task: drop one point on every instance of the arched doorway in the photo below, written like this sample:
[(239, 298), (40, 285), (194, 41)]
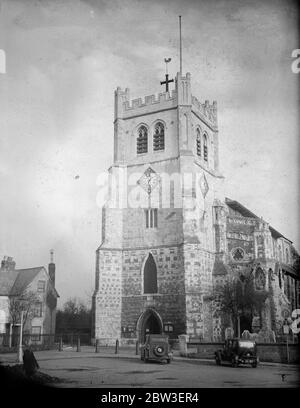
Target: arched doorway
[(245, 323), (149, 322)]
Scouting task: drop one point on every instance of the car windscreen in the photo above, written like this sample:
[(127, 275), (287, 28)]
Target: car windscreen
[(246, 344)]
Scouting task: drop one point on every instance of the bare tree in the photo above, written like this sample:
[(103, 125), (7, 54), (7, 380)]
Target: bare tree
[(74, 316), (23, 302), (238, 296)]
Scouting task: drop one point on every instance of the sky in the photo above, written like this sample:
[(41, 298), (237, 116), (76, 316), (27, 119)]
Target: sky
[(64, 59)]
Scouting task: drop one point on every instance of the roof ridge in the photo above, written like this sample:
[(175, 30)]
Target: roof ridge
[(33, 267)]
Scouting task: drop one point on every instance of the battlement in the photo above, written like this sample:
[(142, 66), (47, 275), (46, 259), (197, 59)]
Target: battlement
[(180, 96), (209, 111), (149, 100)]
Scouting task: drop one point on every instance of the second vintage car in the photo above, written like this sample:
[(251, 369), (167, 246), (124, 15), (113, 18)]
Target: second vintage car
[(238, 351)]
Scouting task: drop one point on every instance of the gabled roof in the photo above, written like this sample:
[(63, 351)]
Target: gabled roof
[(235, 205), (14, 282), (7, 280), (24, 278)]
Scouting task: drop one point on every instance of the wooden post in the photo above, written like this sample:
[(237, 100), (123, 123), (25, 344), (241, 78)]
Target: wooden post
[(78, 344), (97, 349), (10, 336), (20, 351), (137, 347), (239, 326), (287, 349), (60, 344), (117, 347)]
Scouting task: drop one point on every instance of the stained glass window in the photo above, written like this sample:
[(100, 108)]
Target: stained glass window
[(238, 254), (260, 279)]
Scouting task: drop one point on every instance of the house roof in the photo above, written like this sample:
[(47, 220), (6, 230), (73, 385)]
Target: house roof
[(14, 282), (235, 205), (25, 276), (7, 280)]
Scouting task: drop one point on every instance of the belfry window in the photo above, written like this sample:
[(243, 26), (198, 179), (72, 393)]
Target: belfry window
[(142, 140), (198, 143), (260, 279), (150, 275), (159, 137), (151, 218), (205, 150)]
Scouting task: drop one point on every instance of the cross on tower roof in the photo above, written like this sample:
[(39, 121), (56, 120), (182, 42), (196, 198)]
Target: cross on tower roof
[(167, 81)]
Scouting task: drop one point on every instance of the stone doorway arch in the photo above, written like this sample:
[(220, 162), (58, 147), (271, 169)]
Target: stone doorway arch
[(245, 323), (149, 322)]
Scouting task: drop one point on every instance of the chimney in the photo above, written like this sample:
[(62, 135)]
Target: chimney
[(51, 268), (8, 263)]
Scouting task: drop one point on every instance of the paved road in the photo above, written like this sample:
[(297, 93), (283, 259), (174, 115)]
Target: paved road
[(87, 369)]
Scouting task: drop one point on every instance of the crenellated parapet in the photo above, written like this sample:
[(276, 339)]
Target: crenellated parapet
[(127, 108), (149, 100), (205, 110), (180, 96)]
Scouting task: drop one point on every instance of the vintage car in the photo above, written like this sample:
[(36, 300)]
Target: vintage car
[(238, 351), (156, 347)]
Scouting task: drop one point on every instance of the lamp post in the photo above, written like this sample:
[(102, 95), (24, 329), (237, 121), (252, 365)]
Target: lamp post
[(10, 335), (286, 330), (239, 324), (20, 350)]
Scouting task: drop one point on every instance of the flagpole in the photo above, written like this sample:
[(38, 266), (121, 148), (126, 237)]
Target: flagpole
[(180, 47)]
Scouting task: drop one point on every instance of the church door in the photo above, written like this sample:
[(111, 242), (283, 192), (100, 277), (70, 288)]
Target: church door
[(149, 324), (245, 323)]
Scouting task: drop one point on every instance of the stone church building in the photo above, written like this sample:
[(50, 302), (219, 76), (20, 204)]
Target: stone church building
[(169, 234)]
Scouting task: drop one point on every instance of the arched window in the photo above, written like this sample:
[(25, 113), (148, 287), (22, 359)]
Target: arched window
[(260, 279), (150, 275), (287, 258), (198, 142), (280, 253), (159, 137), (205, 150), (142, 140), (280, 279)]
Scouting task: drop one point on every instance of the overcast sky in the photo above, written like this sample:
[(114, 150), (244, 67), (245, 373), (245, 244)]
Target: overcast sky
[(64, 61)]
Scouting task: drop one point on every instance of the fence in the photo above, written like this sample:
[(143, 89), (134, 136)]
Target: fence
[(9, 343), (267, 352)]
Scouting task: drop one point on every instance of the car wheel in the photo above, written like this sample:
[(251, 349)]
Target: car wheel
[(159, 351), (169, 361)]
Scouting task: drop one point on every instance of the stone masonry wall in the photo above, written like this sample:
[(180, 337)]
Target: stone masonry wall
[(168, 302), (108, 297), (198, 265)]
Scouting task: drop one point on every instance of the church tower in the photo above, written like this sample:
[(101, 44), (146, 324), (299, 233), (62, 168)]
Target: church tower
[(160, 237)]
